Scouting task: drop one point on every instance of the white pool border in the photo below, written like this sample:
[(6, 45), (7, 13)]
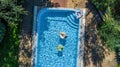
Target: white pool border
[(81, 37), (80, 50), (34, 37)]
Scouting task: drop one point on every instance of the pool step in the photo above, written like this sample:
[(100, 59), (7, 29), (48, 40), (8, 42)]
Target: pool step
[(73, 17), (72, 25), (71, 21)]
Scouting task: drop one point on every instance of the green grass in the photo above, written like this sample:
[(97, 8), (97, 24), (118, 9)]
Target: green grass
[(118, 65)]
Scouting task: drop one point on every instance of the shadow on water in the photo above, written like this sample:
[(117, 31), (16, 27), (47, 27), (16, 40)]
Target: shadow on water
[(43, 26), (94, 52), (60, 53), (63, 41)]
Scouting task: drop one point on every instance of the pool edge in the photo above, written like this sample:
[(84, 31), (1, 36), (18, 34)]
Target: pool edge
[(34, 36), (81, 36)]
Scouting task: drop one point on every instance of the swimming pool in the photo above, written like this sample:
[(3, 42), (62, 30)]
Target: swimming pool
[(49, 23)]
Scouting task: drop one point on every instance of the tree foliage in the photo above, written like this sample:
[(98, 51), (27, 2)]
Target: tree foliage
[(103, 4), (110, 28), (11, 12), (110, 31), (2, 31)]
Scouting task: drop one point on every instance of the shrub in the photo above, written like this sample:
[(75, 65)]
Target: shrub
[(117, 10), (110, 30), (103, 4), (10, 11)]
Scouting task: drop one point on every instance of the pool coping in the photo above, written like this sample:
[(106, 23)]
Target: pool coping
[(80, 49), (80, 58)]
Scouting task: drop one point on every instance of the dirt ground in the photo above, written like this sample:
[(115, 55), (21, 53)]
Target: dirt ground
[(96, 54), (59, 3)]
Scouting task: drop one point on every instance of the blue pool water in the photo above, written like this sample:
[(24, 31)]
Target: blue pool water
[(49, 23)]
